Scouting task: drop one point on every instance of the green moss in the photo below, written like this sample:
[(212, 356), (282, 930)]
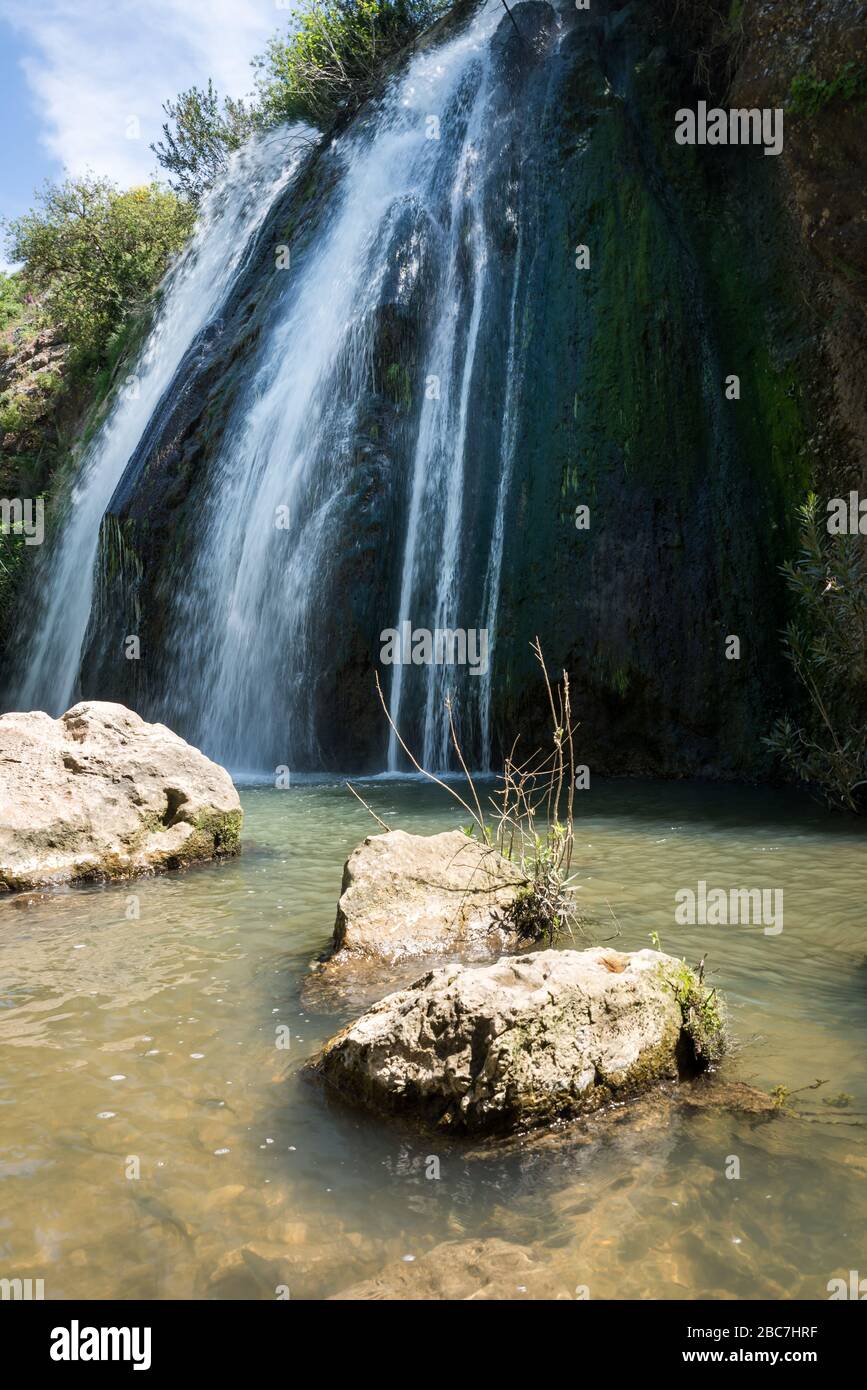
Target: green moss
[(809, 94), (398, 386), (701, 1009), (223, 828), (215, 835), (620, 681)]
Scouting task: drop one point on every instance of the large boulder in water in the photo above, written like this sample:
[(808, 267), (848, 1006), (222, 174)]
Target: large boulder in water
[(531, 1039), (100, 794), (412, 896)]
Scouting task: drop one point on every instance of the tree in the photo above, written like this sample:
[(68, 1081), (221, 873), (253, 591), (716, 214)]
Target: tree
[(199, 135), (92, 253)]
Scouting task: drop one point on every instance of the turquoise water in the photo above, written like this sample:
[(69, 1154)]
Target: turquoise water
[(138, 1029)]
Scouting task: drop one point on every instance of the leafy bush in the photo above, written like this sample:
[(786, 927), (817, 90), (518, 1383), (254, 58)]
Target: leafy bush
[(334, 54), (92, 253), (331, 58), (827, 645), (199, 136)]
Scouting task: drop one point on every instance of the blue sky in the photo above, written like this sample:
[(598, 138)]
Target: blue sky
[(82, 83)]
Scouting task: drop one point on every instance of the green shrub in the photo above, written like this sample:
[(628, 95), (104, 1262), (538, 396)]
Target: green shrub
[(12, 418), (93, 253), (334, 54), (702, 1010), (12, 295)]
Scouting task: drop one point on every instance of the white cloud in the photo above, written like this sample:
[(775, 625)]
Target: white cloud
[(100, 72)]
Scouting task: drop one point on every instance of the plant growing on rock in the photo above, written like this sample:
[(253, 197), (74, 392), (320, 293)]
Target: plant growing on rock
[(530, 820), (826, 643), (702, 1011), (809, 94)]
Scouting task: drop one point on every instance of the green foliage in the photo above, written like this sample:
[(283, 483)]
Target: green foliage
[(199, 136), (701, 1008), (13, 554), (543, 908), (809, 94), (92, 253), (826, 643), (331, 58), (20, 413), (334, 54), (12, 298)]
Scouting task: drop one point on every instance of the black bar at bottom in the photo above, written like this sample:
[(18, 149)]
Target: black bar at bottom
[(66, 1338)]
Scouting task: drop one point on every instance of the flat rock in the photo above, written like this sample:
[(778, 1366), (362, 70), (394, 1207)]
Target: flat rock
[(531, 1039), (101, 794)]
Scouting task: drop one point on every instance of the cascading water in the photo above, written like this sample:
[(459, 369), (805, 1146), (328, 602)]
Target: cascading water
[(53, 627), (414, 197), (251, 620)]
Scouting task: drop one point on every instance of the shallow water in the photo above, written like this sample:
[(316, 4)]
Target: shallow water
[(154, 1039)]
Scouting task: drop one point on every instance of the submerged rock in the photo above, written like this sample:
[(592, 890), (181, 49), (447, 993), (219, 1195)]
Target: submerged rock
[(410, 898), (532, 1039), (461, 1269), (101, 794)]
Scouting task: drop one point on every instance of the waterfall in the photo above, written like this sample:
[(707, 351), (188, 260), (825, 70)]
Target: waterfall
[(52, 637), (249, 621), (410, 203), (431, 553), (509, 434)]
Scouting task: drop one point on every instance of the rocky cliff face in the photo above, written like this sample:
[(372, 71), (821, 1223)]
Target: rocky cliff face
[(811, 57), (703, 263)]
